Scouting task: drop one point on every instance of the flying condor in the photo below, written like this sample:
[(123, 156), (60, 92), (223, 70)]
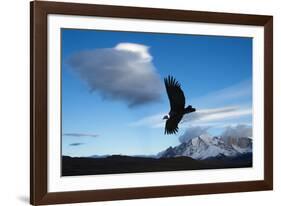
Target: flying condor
[(177, 104)]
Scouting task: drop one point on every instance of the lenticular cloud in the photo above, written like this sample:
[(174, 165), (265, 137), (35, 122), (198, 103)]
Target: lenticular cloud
[(124, 72)]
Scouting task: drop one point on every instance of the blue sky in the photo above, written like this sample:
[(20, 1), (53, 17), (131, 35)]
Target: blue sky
[(113, 96)]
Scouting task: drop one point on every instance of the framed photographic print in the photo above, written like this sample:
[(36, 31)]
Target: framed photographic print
[(131, 102)]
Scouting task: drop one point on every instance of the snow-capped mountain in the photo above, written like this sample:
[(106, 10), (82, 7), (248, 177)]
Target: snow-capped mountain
[(204, 147)]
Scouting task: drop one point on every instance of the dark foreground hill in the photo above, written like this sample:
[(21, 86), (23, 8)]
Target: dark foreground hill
[(115, 164)]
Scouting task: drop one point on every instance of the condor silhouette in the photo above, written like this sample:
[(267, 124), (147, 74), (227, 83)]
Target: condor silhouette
[(177, 104)]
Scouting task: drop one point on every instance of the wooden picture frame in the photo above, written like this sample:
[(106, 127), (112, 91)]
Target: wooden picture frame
[(39, 11)]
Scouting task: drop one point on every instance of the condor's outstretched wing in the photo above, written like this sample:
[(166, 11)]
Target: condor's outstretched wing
[(175, 94), (172, 125)]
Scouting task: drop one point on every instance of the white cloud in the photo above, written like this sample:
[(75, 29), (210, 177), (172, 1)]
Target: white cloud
[(238, 131), (242, 91), (203, 117), (216, 114), (124, 72), (139, 49)]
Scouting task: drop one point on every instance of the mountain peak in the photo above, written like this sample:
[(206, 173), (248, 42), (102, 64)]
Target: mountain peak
[(205, 146)]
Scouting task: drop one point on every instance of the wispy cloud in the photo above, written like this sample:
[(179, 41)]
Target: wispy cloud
[(76, 144), (216, 114), (242, 91), (124, 73), (207, 117), (80, 135)]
